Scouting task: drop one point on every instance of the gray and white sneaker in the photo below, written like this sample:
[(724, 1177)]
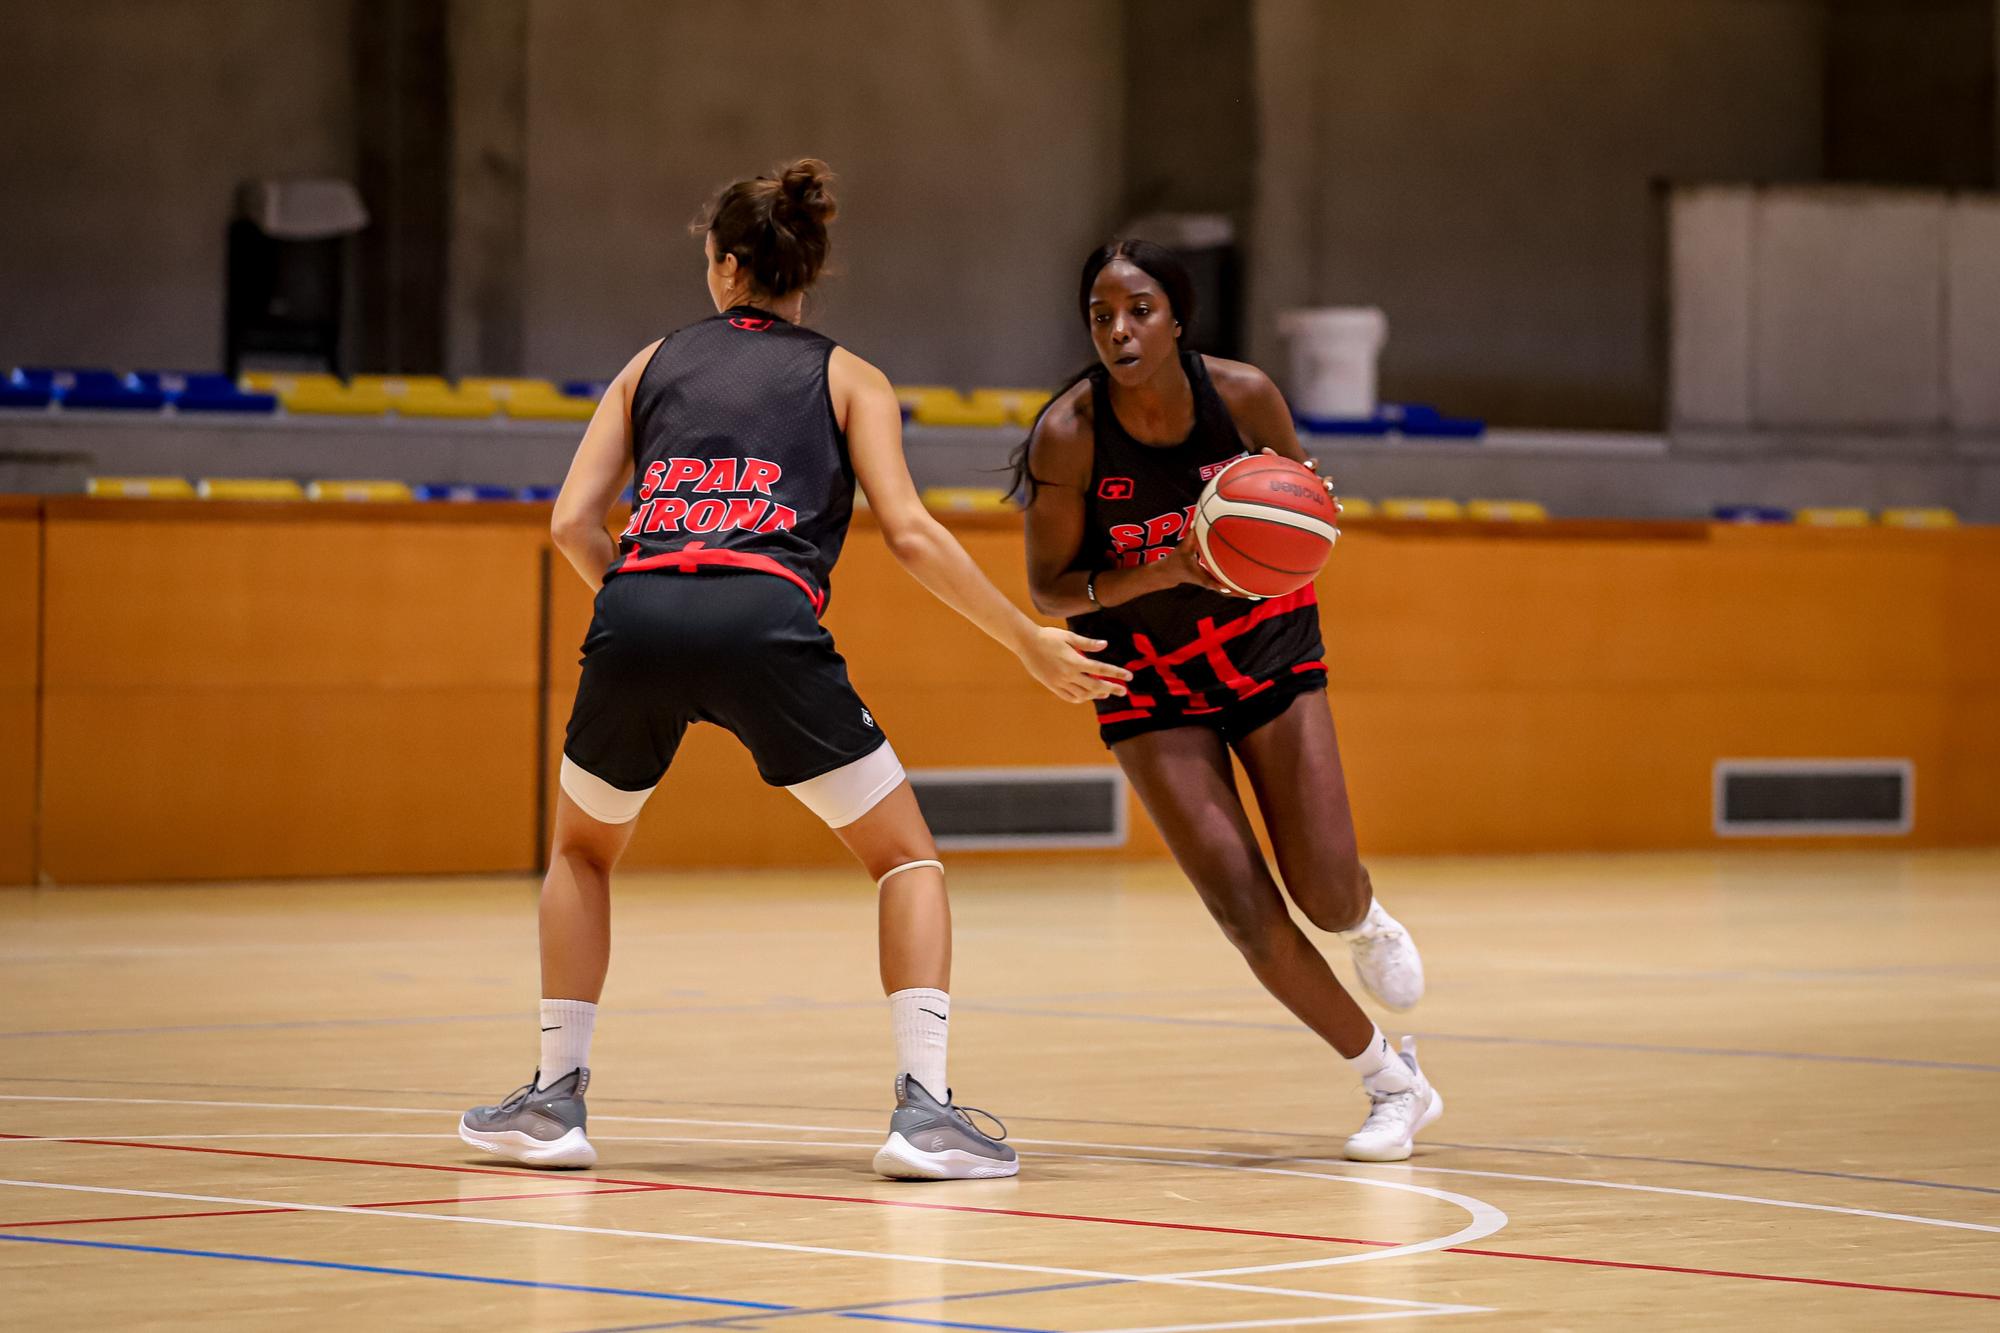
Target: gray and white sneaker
[(540, 1127), (933, 1140), (1386, 958), (1401, 1102)]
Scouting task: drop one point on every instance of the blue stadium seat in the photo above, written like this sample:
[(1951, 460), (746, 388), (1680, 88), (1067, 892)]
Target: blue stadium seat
[(591, 389), (537, 494), (461, 493), (1752, 514), (17, 390), (1345, 425), (203, 391), (102, 391)]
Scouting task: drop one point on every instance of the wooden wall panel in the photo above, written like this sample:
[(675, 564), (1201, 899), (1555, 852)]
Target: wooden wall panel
[(20, 613), (290, 692), (239, 691)]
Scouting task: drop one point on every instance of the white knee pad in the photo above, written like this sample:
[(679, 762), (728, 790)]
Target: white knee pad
[(908, 865), (599, 799), (852, 790)]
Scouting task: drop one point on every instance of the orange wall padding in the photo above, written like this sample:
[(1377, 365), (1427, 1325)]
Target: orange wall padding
[(245, 690)]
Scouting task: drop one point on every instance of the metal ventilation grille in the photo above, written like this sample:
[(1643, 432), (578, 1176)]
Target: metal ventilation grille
[(1024, 808), (1807, 797)]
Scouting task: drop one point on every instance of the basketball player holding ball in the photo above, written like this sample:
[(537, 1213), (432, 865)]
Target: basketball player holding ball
[(1112, 473), (745, 434)]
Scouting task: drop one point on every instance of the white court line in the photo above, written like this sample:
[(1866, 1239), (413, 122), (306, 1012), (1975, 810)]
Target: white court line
[(461, 1219), (1912, 1218), (1486, 1219)]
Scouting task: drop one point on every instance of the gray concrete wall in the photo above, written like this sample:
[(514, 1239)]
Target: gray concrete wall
[(978, 144), (125, 126), (1485, 173)]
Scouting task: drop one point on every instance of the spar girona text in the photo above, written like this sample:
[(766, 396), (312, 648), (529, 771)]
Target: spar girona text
[(722, 489)]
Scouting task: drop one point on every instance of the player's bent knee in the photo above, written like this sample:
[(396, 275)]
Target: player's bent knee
[(852, 790), (1338, 898), (599, 799)]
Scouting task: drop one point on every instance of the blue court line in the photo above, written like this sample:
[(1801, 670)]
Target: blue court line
[(860, 1311), (765, 1307), (1478, 1038)]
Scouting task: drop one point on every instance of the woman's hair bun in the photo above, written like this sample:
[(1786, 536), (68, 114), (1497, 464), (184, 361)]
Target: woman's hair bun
[(806, 187)]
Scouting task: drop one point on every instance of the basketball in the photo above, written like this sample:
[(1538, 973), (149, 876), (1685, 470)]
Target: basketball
[(1265, 525)]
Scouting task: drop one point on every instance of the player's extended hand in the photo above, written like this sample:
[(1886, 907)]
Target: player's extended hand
[(1056, 658)]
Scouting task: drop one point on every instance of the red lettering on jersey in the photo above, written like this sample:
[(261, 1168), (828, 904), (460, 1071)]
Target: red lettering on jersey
[(1127, 536), (781, 519), (1163, 527), (704, 515), (665, 515), (758, 476), (684, 470), (721, 476), (638, 518), (745, 514), (1115, 488), (654, 471), (751, 325)]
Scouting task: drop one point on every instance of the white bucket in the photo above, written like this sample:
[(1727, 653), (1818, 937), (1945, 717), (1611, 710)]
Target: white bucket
[(1334, 351)]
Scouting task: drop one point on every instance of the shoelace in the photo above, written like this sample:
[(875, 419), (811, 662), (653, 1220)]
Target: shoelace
[(966, 1113), (519, 1096)]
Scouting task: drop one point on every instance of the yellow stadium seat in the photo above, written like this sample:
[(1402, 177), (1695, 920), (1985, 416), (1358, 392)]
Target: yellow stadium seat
[(1919, 518), (546, 404), (283, 381), (336, 401), (249, 488), (1435, 510), (945, 407), (503, 387), (142, 488), (1506, 511), (398, 385), (968, 500), (430, 401), (1352, 506), (360, 492), (909, 395), (1028, 405), (1019, 406), (1833, 518)]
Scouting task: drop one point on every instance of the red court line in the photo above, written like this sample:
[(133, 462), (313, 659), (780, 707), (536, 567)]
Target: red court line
[(394, 1203), (642, 1185), (1726, 1272)]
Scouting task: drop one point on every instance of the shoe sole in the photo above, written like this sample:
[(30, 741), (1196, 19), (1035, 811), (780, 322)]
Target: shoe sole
[(569, 1153), (899, 1159), (1402, 1151)]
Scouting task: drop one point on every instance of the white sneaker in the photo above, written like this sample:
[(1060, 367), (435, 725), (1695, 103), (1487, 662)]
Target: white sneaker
[(1403, 1102), (1386, 958)]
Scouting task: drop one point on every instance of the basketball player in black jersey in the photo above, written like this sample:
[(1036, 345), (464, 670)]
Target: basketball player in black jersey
[(1112, 473), (744, 435)]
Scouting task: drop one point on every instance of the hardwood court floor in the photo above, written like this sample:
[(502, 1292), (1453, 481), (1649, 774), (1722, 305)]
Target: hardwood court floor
[(1691, 1091)]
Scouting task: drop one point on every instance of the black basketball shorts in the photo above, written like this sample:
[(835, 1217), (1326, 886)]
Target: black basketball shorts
[(738, 649)]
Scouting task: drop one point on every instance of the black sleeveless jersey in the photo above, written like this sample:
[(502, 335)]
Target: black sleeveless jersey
[(1191, 651), (737, 460)]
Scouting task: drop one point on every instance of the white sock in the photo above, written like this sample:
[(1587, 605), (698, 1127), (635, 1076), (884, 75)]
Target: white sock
[(566, 1026), (1379, 1064), (920, 1017)]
